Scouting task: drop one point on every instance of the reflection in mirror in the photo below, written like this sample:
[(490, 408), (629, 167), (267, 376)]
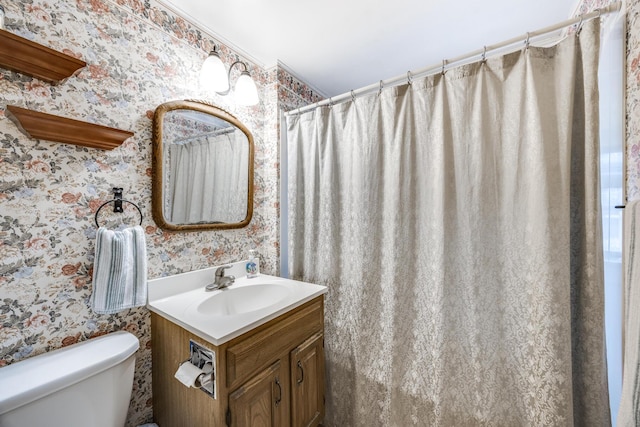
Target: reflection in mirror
[(203, 168), (206, 169)]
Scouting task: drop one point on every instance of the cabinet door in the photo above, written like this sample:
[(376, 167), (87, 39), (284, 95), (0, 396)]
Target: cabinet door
[(307, 382), (261, 401)]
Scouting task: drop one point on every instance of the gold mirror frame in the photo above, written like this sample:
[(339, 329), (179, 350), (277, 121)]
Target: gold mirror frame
[(157, 195)]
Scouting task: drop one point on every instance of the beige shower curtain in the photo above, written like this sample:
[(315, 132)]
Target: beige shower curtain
[(456, 222)]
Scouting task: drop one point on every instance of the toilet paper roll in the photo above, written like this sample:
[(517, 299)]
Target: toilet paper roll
[(187, 374)]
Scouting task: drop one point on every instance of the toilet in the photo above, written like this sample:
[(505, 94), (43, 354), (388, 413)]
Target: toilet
[(84, 384)]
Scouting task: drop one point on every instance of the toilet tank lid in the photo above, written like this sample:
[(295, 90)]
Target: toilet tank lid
[(34, 378)]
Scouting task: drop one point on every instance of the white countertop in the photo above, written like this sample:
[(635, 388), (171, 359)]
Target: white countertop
[(179, 299)]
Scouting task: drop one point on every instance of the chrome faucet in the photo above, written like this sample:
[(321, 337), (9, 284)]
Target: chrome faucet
[(221, 281)]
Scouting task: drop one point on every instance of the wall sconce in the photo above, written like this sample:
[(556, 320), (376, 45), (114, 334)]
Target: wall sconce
[(215, 77)]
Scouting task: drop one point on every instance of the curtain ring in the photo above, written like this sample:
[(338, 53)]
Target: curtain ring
[(330, 104), (381, 86), (484, 55), (579, 25), (444, 62), (409, 78), (526, 42), (353, 96)]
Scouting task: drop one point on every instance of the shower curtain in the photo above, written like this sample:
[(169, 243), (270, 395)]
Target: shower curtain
[(456, 222)]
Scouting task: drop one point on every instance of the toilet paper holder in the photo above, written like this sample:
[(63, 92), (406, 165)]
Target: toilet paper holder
[(204, 379), (205, 359)]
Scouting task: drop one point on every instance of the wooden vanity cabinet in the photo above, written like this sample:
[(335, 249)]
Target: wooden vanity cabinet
[(272, 375)]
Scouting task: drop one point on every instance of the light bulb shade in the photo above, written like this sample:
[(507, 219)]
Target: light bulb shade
[(213, 76), (246, 92)]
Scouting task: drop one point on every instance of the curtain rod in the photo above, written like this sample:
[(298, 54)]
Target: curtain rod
[(459, 60), (216, 132)]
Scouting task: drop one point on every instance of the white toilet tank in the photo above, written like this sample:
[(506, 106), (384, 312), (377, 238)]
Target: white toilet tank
[(84, 384)]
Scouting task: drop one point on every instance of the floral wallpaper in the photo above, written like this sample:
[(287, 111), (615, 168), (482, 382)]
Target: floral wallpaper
[(138, 55), (633, 100), (294, 93)]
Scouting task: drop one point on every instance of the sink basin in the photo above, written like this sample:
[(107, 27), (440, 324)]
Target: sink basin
[(232, 301), (222, 315)]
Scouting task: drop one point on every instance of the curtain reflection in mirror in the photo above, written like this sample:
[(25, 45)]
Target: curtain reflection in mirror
[(208, 180)]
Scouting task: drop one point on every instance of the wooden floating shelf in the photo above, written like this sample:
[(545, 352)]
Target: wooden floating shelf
[(30, 58), (61, 129)]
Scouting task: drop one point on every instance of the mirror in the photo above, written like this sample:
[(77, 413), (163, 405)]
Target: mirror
[(202, 168)]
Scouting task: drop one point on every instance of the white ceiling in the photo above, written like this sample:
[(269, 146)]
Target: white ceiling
[(339, 45)]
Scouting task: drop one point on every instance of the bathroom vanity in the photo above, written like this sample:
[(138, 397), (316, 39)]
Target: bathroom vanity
[(267, 337)]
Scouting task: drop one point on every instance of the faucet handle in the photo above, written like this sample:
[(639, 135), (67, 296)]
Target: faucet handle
[(220, 270)]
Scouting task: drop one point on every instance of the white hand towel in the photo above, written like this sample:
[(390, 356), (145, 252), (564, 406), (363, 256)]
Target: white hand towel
[(119, 270)]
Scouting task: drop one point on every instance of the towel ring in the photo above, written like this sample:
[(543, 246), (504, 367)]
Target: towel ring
[(117, 205)]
